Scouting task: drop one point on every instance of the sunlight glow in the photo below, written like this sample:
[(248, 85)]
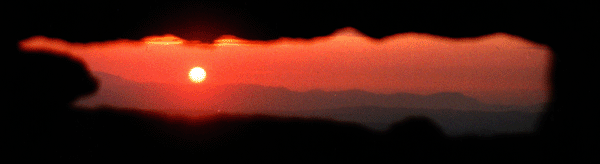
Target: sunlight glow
[(197, 75), (497, 68), (164, 40), (228, 40)]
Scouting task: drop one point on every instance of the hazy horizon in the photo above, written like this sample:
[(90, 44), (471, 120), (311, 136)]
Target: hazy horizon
[(102, 84)]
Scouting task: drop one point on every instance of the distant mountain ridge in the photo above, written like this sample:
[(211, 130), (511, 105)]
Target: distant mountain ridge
[(455, 112), (120, 92)]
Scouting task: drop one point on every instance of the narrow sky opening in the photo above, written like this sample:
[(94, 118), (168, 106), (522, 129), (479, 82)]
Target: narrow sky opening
[(497, 68)]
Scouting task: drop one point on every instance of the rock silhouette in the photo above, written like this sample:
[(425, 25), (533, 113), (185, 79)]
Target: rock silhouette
[(50, 79)]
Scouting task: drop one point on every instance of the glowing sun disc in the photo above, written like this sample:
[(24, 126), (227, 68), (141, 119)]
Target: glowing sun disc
[(197, 74)]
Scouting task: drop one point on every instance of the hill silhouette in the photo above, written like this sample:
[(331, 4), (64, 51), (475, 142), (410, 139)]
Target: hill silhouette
[(246, 97), (457, 114)]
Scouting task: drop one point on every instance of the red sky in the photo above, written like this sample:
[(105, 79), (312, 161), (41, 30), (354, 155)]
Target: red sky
[(498, 68)]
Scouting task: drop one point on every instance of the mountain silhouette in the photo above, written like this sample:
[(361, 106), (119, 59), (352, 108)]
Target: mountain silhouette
[(246, 97), (456, 113)]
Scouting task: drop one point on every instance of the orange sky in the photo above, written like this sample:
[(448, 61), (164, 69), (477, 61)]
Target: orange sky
[(498, 68)]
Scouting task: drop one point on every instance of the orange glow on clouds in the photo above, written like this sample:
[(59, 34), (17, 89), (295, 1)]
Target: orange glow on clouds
[(164, 40), (229, 40), (497, 68)]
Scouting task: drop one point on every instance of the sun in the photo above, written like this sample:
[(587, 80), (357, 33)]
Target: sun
[(197, 75)]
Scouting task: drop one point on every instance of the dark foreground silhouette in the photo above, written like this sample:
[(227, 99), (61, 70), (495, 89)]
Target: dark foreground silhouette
[(44, 125), (566, 131)]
